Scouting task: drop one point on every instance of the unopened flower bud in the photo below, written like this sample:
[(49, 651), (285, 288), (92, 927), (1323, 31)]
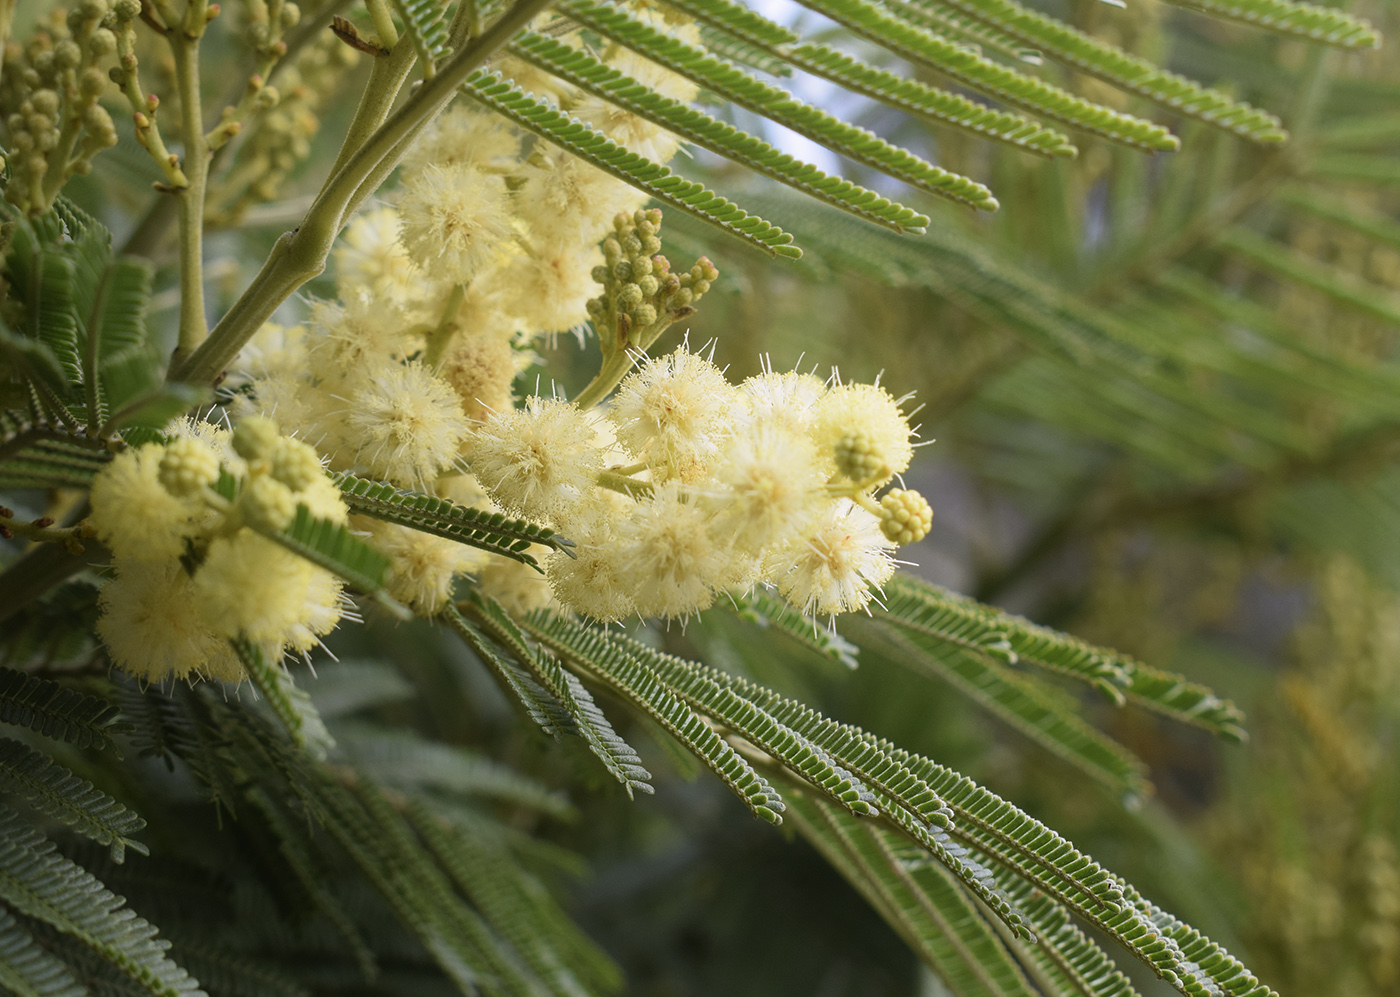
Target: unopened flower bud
[(644, 314), (255, 437), (858, 459), (294, 463), (188, 466), (267, 504), (629, 297), (905, 517), (103, 42)]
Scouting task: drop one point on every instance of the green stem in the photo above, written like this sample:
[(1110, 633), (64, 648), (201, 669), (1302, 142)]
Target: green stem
[(383, 22), (301, 255), (184, 46), (614, 369), (630, 487), (441, 337)]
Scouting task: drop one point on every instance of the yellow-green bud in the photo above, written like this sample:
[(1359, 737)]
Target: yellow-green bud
[(294, 463), (188, 466), (905, 517), (255, 437), (266, 503), (858, 459)]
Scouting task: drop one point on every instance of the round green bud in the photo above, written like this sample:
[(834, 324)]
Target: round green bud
[(255, 437), (641, 266), (127, 10), (644, 314), (67, 54), (622, 271), (649, 285), (905, 517), (629, 297), (266, 503), (43, 102), (103, 42), (294, 463), (858, 459), (291, 15), (600, 275), (188, 466)]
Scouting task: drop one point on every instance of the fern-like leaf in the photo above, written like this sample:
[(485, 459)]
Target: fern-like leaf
[(38, 882), (539, 704), (543, 118), (747, 91), (52, 790), (620, 758), (519, 909), (915, 896), (28, 968), (1128, 72), (425, 21), (1042, 714), (490, 531), (584, 71), (331, 546), (286, 699), (912, 96), (1311, 21), (971, 69), (56, 711), (632, 679)]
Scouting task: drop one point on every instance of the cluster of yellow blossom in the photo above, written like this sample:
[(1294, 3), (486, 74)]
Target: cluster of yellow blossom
[(192, 570), (492, 240), (687, 486)]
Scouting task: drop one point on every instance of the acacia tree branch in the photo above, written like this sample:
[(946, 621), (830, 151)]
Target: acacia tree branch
[(301, 255)]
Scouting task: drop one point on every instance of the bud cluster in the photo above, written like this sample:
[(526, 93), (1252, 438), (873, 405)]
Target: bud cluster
[(641, 295), (49, 94)]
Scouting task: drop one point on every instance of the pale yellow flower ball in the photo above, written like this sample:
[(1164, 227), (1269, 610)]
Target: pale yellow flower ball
[(154, 626), (135, 515), (674, 413), (835, 565), (456, 221), (403, 424)]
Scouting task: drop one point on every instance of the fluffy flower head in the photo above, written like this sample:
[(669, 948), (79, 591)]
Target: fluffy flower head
[(870, 411), (135, 515), (538, 461), (403, 424), (672, 414), (835, 564), (456, 221), (154, 627), (772, 487)]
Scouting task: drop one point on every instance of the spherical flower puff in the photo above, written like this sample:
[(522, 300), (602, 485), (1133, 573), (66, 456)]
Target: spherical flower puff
[(516, 586), (369, 259), (870, 409), (403, 424), (350, 336), (593, 582), (673, 414), (538, 461), (154, 626), (422, 566), (548, 290), (250, 585), (135, 515), (670, 560), (771, 487), (480, 369), (568, 200), (835, 564), (787, 397), (456, 221), (465, 135)]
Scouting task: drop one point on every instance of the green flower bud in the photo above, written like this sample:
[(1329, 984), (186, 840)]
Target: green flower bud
[(267, 504), (255, 437), (188, 466), (905, 517)]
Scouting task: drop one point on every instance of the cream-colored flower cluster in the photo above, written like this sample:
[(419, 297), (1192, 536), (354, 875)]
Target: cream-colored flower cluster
[(192, 570), (492, 241), (688, 486)]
